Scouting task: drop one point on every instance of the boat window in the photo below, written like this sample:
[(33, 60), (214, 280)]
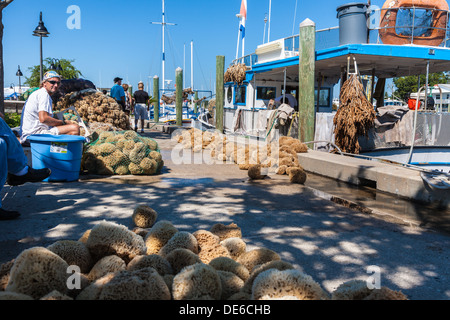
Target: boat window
[(414, 22), (266, 93), (324, 97), (229, 94), (239, 95)]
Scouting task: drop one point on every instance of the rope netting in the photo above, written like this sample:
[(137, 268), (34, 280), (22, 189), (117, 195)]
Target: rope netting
[(121, 153)]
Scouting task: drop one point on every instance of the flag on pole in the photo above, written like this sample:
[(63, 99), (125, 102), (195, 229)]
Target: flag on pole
[(243, 14)]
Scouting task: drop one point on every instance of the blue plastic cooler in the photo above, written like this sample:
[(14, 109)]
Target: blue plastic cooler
[(61, 154)]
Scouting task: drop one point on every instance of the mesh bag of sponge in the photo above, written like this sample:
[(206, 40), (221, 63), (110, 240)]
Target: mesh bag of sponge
[(121, 153)]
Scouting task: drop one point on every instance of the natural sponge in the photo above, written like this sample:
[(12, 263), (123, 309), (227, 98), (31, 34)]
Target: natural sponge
[(210, 252), (161, 265), (254, 172), (38, 271), (144, 216), (197, 282), (296, 175), (226, 231), (276, 264), (109, 238), (205, 238), (106, 265), (254, 257), (159, 234), (180, 258), (141, 284), (74, 253), (235, 246), (231, 284), (228, 264), (181, 239), (358, 290), (273, 284)]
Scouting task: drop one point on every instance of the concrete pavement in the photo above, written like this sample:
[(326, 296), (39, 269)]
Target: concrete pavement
[(330, 242)]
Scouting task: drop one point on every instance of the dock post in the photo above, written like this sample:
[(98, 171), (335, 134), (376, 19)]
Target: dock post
[(306, 80), (179, 96), (195, 101), (156, 97), (220, 91)]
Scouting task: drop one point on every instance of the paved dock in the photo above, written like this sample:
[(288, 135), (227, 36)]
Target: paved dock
[(332, 242)]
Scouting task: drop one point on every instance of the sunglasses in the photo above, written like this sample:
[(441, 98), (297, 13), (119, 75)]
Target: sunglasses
[(54, 82)]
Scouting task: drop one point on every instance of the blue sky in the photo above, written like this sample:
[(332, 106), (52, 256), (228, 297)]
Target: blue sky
[(116, 38)]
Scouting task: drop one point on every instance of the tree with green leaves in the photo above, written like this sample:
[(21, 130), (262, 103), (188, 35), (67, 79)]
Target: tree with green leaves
[(68, 71), (407, 85), (3, 5)]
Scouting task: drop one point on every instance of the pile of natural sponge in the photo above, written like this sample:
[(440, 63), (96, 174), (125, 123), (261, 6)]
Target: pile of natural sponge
[(278, 157), (157, 261), (94, 106), (121, 153)]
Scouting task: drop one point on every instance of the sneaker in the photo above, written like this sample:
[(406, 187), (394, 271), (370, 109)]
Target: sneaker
[(142, 131), (33, 175), (8, 215)]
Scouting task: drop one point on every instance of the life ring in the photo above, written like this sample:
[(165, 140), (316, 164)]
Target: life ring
[(388, 19)]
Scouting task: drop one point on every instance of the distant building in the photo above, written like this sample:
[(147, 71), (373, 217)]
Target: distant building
[(444, 97)]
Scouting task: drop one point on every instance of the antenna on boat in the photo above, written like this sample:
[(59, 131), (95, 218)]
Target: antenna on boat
[(265, 23), (163, 24)]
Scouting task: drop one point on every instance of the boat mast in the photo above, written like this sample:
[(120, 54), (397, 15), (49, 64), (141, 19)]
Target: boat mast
[(163, 24), (270, 14), (192, 65)]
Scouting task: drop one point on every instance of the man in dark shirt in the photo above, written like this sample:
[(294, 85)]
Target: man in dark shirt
[(141, 108)]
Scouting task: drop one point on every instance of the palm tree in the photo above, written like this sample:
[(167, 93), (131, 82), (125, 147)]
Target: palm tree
[(68, 71), (3, 5)]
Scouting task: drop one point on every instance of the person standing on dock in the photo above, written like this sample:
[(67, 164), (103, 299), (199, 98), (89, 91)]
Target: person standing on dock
[(141, 106), (118, 93), (128, 99)]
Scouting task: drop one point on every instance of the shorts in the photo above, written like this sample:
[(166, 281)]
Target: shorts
[(53, 131), (140, 111)]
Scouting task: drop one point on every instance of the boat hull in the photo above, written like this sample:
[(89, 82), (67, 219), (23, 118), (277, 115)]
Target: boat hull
[(429, 157)]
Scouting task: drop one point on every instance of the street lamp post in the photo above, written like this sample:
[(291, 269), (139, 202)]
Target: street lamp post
[(41, 31), (19, 74)]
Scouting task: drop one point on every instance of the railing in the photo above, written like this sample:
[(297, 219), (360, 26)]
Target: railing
[(420, 20)]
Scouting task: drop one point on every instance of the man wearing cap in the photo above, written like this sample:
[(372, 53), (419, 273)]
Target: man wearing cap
[(118, 93), (37, 114), (13, 166), (141, 107)]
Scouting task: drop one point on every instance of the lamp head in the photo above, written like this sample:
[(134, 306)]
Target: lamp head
[(41, 30)]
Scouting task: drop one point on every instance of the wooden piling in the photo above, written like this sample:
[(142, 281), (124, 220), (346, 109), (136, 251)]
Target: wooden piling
[(179, 96), (195, 101), (156, 97), (306, 80), (220, 91)]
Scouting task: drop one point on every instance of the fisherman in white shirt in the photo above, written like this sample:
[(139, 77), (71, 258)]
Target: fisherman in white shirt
[(37, 113)]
